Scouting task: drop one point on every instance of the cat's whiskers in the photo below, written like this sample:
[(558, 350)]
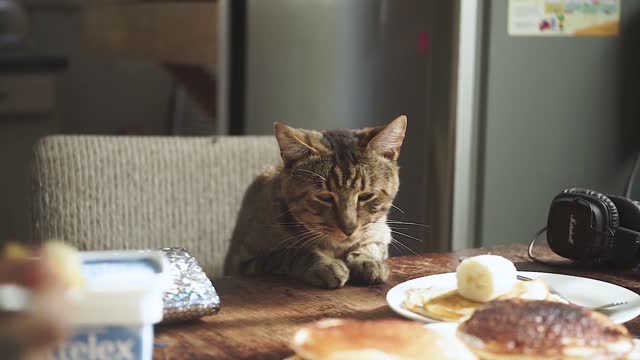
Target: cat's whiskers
[(403, 246), (287, 226), (397, 228), (313, 186), (379, 223), (392, 243), (295, 237), (296, 244), (398, 245), (304, 241), (302, 236), (397, 208), (404, 223), (328, 230), (406, 235), (312, 240), (312, 173), (290, 209)]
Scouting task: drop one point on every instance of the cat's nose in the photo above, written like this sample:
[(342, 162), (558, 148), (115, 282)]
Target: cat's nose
[(349, 229)]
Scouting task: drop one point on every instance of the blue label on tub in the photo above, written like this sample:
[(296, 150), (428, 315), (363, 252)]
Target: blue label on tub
[(98, 270), (98, 343)]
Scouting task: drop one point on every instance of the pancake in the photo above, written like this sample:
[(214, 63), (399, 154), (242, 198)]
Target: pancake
[(448, 305), (336, 339), (537, 329), (445, 306)]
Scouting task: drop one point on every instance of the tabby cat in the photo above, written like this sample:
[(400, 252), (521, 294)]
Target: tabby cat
[(321, 216)]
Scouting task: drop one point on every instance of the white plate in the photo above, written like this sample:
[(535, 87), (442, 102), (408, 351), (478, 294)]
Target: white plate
[(582, 291)]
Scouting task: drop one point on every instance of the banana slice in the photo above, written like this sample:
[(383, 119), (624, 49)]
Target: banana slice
[(67, 263), (485, 277), (14, 251), (65, 260)]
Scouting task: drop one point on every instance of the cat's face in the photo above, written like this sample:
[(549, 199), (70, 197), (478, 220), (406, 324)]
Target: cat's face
[(339, 184)]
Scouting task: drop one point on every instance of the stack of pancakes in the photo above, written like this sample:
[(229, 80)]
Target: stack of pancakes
[(517, 329)]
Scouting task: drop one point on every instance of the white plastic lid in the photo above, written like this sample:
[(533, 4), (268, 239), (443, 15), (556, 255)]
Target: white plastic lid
[(123, 288)]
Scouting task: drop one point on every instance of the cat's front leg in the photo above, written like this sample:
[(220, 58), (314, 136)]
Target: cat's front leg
[(320, 270), (367, 264)]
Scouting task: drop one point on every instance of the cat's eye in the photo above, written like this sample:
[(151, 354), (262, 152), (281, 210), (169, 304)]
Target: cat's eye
[(365, 197), (325, 198)]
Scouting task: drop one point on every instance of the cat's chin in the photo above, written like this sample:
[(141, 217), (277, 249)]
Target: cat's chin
[(343, 242)]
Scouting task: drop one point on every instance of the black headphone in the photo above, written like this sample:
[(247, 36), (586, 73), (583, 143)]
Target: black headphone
[(587, 226)]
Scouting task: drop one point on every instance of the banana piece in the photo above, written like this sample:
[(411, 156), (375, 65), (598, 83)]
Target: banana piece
[(485, 277), (66, 263), (64, 260), (14, 251)]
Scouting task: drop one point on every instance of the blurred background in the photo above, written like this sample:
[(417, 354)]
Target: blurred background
[(498, 124)]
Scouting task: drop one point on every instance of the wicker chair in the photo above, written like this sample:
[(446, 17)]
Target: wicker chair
[(99, 192)]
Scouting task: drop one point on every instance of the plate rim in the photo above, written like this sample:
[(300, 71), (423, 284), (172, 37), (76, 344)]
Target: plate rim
[(413, 316)]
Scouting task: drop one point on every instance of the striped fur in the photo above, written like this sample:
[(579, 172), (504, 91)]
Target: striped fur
[(321, 216)]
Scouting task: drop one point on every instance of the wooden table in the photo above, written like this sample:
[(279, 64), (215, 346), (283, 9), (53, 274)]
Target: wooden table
[(259, 315)]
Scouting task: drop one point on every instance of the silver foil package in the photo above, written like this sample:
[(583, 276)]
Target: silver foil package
[(192, 294)]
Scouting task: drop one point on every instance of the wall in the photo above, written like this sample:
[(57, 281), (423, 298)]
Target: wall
[(96, 94), (550, 121), (93, 96)]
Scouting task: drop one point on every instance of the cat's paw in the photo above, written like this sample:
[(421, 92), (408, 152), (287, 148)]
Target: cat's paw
[(327, 274), (368, 271)]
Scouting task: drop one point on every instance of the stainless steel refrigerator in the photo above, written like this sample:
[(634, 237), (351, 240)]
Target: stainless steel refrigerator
[(498, 124)]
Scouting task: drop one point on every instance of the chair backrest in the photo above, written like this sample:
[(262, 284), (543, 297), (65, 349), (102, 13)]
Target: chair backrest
[(108, 192)]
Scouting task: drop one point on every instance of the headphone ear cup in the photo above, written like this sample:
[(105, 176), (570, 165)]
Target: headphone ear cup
[(629, 212), (614, 216)]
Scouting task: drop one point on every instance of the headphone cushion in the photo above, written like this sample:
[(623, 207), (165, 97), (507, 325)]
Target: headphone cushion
[(629, 212), (614, 216)]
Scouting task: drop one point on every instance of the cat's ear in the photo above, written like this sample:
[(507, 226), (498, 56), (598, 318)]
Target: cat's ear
[(293, 143), (388, 140)]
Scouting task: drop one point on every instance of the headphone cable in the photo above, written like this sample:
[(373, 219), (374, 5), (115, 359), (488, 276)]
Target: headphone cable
[(561, 263), (532, 243)]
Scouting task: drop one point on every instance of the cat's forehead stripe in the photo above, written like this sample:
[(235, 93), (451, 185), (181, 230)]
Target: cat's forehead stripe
[(349, 176), (338, 175), (344, 145), (331, 179), (346, 151), (355, 177), (363, 183), (345, 165)]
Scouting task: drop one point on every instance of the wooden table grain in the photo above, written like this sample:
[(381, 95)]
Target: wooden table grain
[(260, 315)]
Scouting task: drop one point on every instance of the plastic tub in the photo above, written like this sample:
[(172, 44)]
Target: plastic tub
[(113, 317)]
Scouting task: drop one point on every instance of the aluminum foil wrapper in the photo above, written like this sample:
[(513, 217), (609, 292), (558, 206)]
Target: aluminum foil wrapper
[(192, 295)]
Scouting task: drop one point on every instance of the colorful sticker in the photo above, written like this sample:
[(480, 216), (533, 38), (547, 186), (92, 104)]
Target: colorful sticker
[(564, 17)]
